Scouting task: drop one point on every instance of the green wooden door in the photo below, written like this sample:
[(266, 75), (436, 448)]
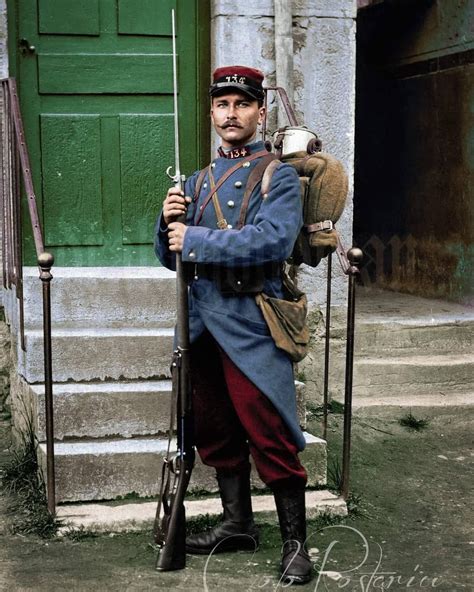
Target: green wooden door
[(96, 96)]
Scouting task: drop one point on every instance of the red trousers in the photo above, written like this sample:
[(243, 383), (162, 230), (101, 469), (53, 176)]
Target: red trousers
[(232, 418)]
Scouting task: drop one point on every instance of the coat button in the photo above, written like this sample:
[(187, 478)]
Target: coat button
[(192, 255), (229, 226), (238, 184), (213, 165), (230, 203), (246, 164), (205, 185)]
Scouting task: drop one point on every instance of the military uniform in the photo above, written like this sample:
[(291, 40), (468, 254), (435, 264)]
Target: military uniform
[(243, 385), (234, 320)]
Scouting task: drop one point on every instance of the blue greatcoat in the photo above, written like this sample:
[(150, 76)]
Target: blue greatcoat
[(236, 322)]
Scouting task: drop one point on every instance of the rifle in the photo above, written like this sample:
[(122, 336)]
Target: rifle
[(170, 530)]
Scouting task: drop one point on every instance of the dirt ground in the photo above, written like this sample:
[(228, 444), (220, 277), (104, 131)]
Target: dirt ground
[(410, 529)]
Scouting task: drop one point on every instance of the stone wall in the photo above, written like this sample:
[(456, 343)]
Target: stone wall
[(5, 366)]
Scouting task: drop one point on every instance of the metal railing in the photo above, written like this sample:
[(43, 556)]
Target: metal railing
[(16, 174), (349, 262)]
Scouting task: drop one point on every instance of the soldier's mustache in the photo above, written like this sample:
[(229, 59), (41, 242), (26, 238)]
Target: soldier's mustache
[(230, 124)]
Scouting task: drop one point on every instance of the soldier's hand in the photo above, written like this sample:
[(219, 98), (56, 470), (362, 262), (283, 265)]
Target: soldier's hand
[(176, 232), (174, 205)]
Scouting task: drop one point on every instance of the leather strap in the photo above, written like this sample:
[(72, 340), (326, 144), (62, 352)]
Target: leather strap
[(199, 182), (267, 176), (221, 221), (254, 179), (224, 178), (319, 226)]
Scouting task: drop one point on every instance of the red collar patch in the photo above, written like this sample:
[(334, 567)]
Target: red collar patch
[(234, 153)]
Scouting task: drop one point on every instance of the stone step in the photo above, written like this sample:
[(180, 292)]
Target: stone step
[(104, 409), (413, 375), (125, 409), (99, 354), (103, 296), (408, 339), (420, 402), (129, 516), (402, 324), (107, 469)]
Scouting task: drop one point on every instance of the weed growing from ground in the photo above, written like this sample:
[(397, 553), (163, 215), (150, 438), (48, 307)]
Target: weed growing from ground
[(412, 423), (202, 523), (79, 534), (335, 475), (317, 411), (22, 481), (354, 505)]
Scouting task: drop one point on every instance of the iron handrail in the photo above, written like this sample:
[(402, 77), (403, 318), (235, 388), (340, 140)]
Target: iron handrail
[(15, 160), (349, 262)]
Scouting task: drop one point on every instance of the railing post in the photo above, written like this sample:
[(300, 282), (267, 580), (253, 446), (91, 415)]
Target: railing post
[(327, 348), (45, 262), (354, 256)]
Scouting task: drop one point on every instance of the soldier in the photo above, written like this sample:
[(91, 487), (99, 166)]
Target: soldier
[(243, 386)]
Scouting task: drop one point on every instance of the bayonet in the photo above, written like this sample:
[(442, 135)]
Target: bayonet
[(176, 177)]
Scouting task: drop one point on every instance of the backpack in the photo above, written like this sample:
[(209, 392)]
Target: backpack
[(324, 186)]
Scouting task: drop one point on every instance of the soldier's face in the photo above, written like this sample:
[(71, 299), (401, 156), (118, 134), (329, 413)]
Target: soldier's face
[(235, 117)]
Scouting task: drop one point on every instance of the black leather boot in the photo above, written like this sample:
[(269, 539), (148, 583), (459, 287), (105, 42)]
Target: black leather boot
[(237, 531), (296, 566)]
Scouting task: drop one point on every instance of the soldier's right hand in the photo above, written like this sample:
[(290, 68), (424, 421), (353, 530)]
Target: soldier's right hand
[(175, 205)]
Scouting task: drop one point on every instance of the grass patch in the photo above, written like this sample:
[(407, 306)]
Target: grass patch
[(354, 505), (335, 474), (301, 376), (410, 422), (79, 534), (336, 407), (314, 411), (202, 523), (27, 502), (323, 520)]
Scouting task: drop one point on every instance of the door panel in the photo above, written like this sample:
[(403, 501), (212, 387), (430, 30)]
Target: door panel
[(96, 97), (71, 17), (95, 73), (149, 20), (140, 155), (71, 171)]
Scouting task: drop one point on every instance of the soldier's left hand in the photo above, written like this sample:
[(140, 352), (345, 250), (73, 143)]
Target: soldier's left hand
[(176, 232)]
